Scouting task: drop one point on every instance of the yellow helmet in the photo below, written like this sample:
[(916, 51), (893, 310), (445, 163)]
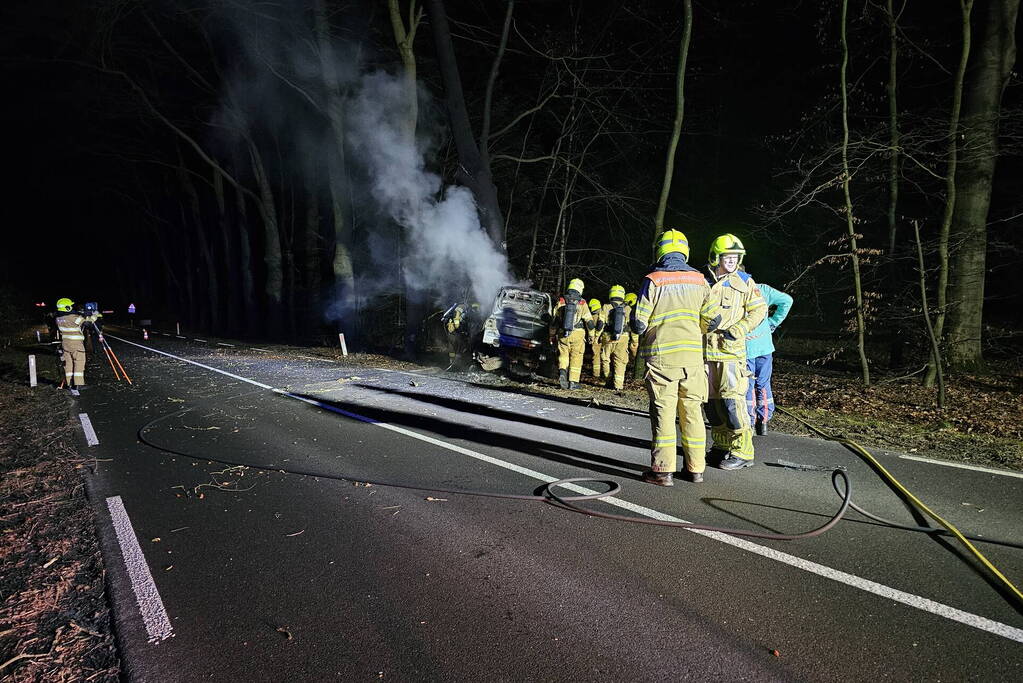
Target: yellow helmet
[(577, 285), (65, 304), (617, 292), (671, 242), (725, 244), (594, 305), (631, 298)]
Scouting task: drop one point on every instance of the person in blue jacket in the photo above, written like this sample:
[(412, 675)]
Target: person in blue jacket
[(760, 358)]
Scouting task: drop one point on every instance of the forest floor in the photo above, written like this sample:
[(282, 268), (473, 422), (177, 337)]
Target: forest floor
[(55, 622)]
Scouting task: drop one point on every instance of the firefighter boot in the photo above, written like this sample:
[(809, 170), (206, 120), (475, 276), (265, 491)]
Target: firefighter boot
[(573, 385), (563, 378), (734, 462), (761, 428), (658, 478)]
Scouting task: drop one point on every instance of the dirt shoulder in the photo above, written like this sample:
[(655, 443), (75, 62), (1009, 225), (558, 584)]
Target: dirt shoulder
[(55, 622)]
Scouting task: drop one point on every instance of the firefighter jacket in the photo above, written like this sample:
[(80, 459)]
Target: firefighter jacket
[(741, 307), (759, 342), (454, 319), (674, 310), (70, 327), (605, 322), (95, 321), (583, 318)]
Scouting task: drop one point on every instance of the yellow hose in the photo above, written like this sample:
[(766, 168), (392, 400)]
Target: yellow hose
[(862, 452)]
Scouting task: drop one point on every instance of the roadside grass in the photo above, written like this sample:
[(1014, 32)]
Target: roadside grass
[(55, 622)]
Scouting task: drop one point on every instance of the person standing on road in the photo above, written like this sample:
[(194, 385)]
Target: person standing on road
[(572, 327), (72, 343), (456, 324), (613, 331), (595, 346), (93, 326), (742, 308), (760, 358), (630, 301), (674, 310)]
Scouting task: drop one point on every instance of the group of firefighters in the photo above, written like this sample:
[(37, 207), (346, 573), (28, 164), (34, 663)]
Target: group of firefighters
[(704, 338), (73, 329), (697, 339)]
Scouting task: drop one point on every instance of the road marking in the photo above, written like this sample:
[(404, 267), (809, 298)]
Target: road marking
[(223, 344), (179, 336), (200, 340), (975, 468), (255, 348), (921, 603), (207, 367), (154, 615), (90, 433), (326, 360)]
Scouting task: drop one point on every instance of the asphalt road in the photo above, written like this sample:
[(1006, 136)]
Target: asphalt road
[(260, 575)]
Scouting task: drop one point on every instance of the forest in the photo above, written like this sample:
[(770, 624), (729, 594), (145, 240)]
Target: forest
[(288, 169)]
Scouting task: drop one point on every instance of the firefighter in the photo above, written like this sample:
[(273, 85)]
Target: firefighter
[(72, 343), (595, 345), (630, 300), (760, 358), (742, 308), (456, 324), (572, 326), (93, 326), (613, 328), (674, 311)]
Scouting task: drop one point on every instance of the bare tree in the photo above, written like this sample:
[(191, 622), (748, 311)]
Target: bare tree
[(680, 102)]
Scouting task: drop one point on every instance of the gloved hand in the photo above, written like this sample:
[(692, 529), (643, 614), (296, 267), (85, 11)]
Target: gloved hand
[(101, 339), (773, 327), (727, 334)]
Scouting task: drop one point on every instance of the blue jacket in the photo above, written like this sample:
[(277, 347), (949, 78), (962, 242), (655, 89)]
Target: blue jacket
[(759, 341)]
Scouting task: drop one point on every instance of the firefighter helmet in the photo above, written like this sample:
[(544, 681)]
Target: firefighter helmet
[(577, 285), (594, 305), (725, 244), (617, 292), (631, 298), (671, 242), (65, 304)]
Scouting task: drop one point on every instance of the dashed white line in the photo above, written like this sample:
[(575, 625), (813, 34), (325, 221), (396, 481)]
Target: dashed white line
[(909, 599), (154, 615), (962, 466), (256, 348), (223, 344), (200, 340), (90, 433)]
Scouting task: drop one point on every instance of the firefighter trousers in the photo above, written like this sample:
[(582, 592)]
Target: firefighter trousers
[(570, 354), (74, 364), (677, 394), (613, 359), (598, 360), (726, 411)]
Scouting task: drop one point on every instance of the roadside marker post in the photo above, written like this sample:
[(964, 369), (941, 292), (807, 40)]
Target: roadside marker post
[(178, 327), (344, 347), (145, 334), (38, 337), (32, 371)]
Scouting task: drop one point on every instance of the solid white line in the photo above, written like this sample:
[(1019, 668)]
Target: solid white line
[(326, 360), (90, 433), (223, 344), (909, 599), (200, 340), (180, 337), (259, 349), (207, 367), (154, 615), (975, 468)]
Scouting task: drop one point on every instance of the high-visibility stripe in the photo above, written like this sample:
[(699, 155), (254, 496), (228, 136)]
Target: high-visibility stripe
[(681, 314), (668, 348)]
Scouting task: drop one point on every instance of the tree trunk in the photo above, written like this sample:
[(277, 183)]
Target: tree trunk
[(680, 102), (850, 223), (472, 173), (244, 259), (989, 73), (488, 98), (966, 6), (231, 298), (341, 264), (893, 127), (925, 309), (207, 312), (404, 39), (274, 284)]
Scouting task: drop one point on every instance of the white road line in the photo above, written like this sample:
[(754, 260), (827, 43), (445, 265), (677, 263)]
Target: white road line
[(207, 367), (925, 604), (180, 337), (90, 433), (223, 344), (975, 468), (154, 615), (254, 348), (326, 360), (200, 340)]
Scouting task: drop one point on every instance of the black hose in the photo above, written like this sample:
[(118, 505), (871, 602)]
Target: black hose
[(549, 495)]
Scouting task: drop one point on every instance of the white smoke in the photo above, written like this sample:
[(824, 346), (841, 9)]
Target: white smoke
[(446, 249)]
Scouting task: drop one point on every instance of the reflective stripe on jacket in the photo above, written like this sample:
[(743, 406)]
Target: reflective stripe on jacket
[(674, 309), (742, 308), (70, 326)]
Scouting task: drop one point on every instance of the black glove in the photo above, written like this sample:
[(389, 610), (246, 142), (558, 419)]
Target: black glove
[(727, 334)]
